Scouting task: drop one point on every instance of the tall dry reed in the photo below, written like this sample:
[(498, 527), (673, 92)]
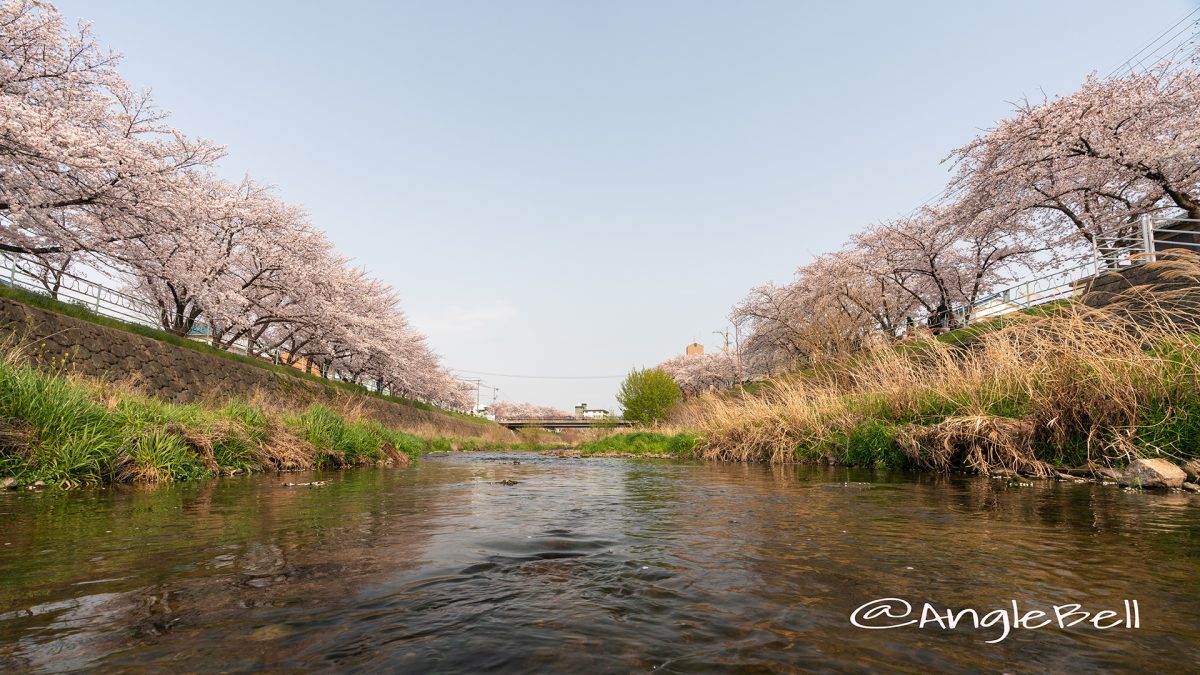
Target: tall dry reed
[(1070, 385)]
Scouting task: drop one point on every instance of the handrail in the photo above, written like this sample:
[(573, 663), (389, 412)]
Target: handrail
[(1126, 245)]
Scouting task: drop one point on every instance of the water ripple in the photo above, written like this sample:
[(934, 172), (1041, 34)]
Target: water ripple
[(587, 565)]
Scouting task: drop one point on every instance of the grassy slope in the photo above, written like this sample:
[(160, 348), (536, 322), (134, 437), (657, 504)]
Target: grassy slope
[(81, 312), (70, 431), (1059, 386), (1066, 386)]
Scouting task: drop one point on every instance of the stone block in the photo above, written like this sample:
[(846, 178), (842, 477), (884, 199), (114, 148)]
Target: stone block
[(1153, 473)]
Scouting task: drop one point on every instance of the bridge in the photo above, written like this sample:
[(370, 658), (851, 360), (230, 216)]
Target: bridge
[(562, 422)]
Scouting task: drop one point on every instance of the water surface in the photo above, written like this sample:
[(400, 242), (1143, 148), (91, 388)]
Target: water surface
[(596, 565)]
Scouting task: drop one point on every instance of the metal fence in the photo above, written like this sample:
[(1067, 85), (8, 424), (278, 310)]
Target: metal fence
[(30, 275), (1114, 248)]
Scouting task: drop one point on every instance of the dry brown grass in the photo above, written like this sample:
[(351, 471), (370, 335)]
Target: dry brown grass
[(1076, 385), (983, 443)]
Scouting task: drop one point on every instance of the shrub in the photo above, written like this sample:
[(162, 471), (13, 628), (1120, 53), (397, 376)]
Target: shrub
[(648, 396)]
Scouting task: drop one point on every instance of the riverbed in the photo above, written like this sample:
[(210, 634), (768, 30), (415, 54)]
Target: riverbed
[(519, 562)]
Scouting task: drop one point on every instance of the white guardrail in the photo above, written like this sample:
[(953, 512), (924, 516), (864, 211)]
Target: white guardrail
[(24, 273), (1114, 248)]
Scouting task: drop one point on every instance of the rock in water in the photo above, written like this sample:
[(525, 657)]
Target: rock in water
[(9, 483), (1153, 473), (1192, 469), (398, 458)]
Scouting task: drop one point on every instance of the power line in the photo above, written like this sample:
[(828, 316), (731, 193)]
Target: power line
[(1187, 43), (948, 193), (1157, 54), (1150, 44)]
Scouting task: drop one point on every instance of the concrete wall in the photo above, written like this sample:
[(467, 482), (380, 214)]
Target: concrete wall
[(182, 375)]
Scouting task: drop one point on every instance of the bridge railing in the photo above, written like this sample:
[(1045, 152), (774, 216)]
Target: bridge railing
[(562, 421)]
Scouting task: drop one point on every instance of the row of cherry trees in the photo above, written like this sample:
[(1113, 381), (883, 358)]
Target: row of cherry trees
[(530, 411), (1048, 186), (92, 173), (697, 373)]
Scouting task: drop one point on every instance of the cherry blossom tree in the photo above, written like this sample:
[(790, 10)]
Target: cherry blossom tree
[(697, 373), (82, 155), (505, 410), (91, 171), (836, 303), (1056, 182), (48, 270), (1081, 165), (948, 256)]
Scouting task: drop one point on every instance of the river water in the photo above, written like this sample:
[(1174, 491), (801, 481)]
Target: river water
[(594, 565)]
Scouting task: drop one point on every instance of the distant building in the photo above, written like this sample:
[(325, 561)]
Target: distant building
[(695, 349), (587, 413)]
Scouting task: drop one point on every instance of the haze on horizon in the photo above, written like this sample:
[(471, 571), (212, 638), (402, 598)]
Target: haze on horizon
[(567, 191)]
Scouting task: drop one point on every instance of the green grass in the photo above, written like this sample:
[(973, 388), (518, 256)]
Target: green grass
[(870, 443), (238, 451), (345, 442), (680, 445), (484, 445), (84, 313), (55, 432), (72, 432), (1173, 429)]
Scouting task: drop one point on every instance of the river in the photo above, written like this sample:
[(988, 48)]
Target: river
[(593, 565)]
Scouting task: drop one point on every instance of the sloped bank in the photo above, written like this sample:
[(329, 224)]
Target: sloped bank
[(179, 374), (66, 430), (1109, 391)]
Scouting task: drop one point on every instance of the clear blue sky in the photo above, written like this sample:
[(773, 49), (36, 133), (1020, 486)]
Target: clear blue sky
[(575, 188)]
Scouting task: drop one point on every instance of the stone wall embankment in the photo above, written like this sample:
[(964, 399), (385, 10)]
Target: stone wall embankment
[(181, 375)]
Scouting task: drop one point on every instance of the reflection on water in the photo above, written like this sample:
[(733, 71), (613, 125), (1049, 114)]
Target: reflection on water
[(598, 565)]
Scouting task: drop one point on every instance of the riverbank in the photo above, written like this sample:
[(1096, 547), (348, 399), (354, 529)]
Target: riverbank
[(60, 429), (681, 445), (79, 332), (1086, 389)]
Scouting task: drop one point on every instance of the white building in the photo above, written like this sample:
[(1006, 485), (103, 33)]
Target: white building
[(583, 411)]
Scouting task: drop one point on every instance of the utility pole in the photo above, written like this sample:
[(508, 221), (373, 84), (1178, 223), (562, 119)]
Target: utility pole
[(737, 352), (477, 382), (724, 334), (737, 347)]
